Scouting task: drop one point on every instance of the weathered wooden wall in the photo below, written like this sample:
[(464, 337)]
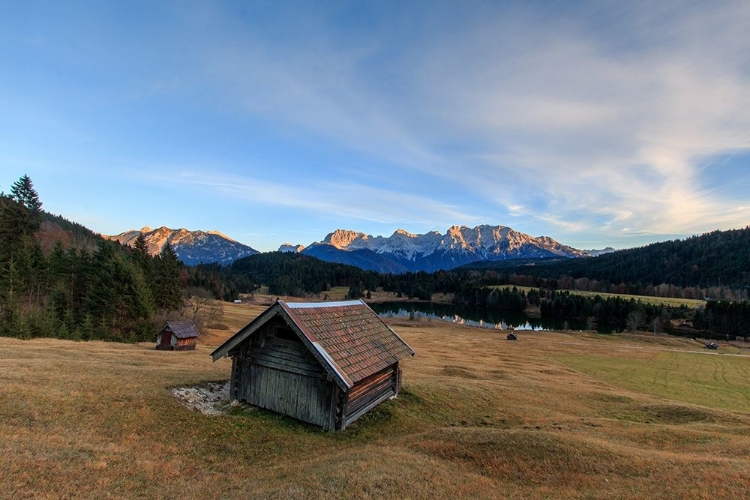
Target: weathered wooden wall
[(186, 344), (277, 372), (368, 393)]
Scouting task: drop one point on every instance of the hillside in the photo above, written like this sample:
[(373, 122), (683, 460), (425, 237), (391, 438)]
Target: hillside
[(296, 274), (719, 258), (551, 415), (54, 228)]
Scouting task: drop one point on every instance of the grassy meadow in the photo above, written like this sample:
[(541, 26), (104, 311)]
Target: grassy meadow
[(646, 299), (552, 415)]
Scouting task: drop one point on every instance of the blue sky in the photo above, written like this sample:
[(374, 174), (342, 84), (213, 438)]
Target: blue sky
[(596, 123)]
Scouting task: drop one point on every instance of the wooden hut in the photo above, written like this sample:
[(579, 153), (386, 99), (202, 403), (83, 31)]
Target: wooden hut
[(177, 336), (325, 363)]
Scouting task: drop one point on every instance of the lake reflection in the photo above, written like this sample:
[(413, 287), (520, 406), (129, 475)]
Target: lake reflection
[(474, 316)]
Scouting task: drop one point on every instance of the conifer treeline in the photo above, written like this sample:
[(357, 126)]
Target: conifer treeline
[(712, 265), (612, 312), (300, 275), (110, 293), (98, 289)]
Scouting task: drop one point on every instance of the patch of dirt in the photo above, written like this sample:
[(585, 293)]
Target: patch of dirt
[(211, 398)]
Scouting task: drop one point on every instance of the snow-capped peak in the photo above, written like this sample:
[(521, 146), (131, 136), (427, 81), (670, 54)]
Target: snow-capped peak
[(484, 242), (432, 251)]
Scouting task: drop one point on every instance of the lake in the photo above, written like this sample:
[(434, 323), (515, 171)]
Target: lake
[(474, 316)]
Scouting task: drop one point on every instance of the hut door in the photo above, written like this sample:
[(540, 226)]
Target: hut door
[(166, 339)]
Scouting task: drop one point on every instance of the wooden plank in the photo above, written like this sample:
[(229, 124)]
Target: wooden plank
[(320, 403), (344, 409), (251, 387), (296, 348), (255, 373), (243, 376), (285, 342), (232, 378), (276, 392), (366, 384), (289, 392), (331, 425), (283, 346), (306, 397), (279, 366), (281, 360), (387, 379), (382, 373), (271, 363), (293, 387), (354, 406), (278, 354), (355, 415), (305, 357), (265, 400)]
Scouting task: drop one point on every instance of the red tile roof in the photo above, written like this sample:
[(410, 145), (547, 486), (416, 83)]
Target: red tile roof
[(352, 335), (348, 338)]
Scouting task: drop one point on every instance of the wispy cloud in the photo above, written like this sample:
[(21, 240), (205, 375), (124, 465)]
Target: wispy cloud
[(342, 200), (587, 120), (591, 136)]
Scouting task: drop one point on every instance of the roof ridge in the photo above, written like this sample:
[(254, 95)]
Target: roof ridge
[(310, 305)]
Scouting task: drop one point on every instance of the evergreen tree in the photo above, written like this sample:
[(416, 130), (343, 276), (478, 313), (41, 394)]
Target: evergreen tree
[(118, 297), (167, 283), (14, 225), (141, 256), (24, 193)]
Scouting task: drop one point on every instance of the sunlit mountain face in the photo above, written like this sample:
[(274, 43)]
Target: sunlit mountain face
[(192, 247)]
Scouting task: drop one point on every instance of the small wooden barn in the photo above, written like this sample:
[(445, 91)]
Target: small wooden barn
[(177, 336), (325, 363)]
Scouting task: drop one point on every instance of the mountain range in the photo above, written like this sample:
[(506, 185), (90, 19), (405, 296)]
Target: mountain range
[(460, 245), (399, 253), (192, 247)]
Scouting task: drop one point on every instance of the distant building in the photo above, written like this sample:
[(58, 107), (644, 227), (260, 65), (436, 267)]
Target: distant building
[(324, 363), (177, 336)]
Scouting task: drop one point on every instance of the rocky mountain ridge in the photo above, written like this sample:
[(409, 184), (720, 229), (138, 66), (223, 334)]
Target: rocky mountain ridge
[(192, 247), (404, 251)]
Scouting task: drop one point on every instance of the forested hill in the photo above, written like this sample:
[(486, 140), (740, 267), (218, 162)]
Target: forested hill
[(296, 274), (56, 228), (719, 258), (70, 291)]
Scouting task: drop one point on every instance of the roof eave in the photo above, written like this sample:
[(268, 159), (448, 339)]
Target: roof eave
[(246, 331)]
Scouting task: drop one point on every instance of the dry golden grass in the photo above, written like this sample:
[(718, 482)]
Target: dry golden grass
[(479, 417)]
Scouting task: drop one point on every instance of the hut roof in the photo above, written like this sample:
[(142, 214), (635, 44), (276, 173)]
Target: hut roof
[(348, 338), (182, 329)]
